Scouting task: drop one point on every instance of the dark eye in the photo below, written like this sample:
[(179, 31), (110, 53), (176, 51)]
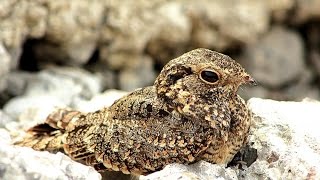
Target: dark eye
[(209, 76)]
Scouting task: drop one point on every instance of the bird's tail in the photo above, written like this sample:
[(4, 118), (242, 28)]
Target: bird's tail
[(50, 136)]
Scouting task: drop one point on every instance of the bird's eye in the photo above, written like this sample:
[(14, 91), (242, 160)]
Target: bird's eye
[(209, 76)]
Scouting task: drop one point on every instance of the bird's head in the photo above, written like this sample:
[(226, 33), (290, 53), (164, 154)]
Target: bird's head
[(201, 72)]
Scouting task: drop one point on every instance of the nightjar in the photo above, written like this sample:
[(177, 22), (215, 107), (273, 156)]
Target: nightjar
[(191, 113)]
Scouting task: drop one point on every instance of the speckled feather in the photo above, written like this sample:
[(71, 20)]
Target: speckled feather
[(182, 118)]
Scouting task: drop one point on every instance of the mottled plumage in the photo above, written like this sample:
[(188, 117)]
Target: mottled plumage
[(191, 113)]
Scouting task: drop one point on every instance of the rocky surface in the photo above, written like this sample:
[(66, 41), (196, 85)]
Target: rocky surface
[(24, 164), (200, 170)]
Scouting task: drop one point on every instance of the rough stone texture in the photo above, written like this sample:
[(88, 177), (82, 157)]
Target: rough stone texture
[(286, 137), (24, 164), (69, 29), (235, 21), (277, 59), (72, 30)]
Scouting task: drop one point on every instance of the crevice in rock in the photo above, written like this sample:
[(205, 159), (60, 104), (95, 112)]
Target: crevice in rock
[(94, 57), (28, 61)]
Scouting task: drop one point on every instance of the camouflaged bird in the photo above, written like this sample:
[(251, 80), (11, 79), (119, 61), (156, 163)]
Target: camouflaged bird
[(191, 113)]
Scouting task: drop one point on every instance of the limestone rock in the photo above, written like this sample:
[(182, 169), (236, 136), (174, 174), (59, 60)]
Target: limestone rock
[(201, 170), (50, 89), (287, 138), (72, 31), (25, 163), (235, 21), (99, 101)]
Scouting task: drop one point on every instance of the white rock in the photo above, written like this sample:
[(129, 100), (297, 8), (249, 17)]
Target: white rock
[(24, 163), (99, 101), (287, 137), (200, 170)]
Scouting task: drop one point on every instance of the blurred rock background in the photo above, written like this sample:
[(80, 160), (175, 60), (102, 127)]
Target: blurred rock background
[(124, 44)]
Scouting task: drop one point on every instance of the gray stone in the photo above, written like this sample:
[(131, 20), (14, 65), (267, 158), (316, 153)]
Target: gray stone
[(137, 76), (52, 88), (219, 24), (23, 163), (99, 101), (5, 66), (277, 59), (160, 26), (17, 82)]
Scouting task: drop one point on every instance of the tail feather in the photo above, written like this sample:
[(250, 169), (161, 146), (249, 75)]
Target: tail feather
[(50, 135), (62, 132)]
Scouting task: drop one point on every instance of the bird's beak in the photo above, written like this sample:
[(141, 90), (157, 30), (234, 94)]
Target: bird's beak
[(249, 80)]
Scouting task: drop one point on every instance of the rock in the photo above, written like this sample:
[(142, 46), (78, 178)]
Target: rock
[(312, 31), (246, 92), (135, 71), (160, 26), (302, 88), (269, 60), (219, 24), (280, 8), (51, 88), (4, 68), (99, 101), (287, 138), (306, 10), (137, 76), (17, 82), (4, 119), (68, 29), (25, 163), (200, 170), (19, 20), (72, 31)]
